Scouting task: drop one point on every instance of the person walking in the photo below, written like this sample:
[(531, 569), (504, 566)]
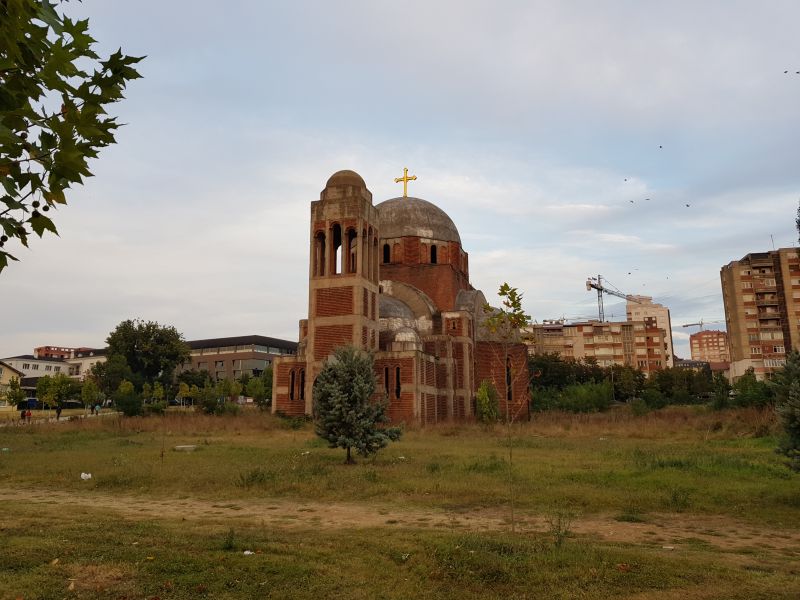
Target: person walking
[(58, 412), (28, 415)]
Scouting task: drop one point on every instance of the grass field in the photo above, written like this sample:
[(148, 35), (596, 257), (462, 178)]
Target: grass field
[(680, 503)]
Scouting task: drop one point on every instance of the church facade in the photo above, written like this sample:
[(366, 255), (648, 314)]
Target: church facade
[(393, 279)]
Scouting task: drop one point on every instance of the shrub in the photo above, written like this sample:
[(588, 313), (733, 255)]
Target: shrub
[(486, 404), (653, 397), (585, 397), (639, 408)]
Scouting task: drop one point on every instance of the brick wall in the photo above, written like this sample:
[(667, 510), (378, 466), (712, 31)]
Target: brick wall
[(282, 381), (489, 364), (329, 337), (331, 302), (440, 282), (402, 408)]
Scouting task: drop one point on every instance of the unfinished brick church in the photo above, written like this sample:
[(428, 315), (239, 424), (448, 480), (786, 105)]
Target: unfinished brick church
[(392, 278)]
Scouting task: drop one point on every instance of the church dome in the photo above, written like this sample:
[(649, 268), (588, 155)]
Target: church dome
[(407, 216), (345, 177)]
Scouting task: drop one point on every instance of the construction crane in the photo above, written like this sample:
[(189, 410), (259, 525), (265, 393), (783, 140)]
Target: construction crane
[(597, 284), (701, 323)]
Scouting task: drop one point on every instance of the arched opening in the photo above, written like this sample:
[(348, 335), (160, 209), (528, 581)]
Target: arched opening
[(387, 254), (302, 384), (291, 385), (397, 382), (337, 249), (352, 245), (319, 253), (375, 259), (364, 248), (433, 254), (386, 380)]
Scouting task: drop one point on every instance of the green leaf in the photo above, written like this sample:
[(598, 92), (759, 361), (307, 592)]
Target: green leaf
[(40, 223)]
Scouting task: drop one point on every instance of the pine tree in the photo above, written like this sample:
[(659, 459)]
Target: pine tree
[(786, 385), (343, 413)]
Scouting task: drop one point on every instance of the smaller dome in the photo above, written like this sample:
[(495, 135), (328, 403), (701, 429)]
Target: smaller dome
[(406, 334), (392, 308), (345, 177)]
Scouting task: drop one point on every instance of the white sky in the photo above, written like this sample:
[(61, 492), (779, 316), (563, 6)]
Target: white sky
[(522, 120)]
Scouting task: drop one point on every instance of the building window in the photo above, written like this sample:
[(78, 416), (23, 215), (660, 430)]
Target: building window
[(337, 249), (397, 382), (778, 349), (35, 368), (386, 380), (387, 254), (433, 254), (26, 365), (302, 384), (319, 253), (352, 243), (291, 385), (57, 369)]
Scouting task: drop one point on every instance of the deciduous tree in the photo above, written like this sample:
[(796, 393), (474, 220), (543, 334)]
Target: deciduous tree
[(14, 394), (54, 94), (152, 351)]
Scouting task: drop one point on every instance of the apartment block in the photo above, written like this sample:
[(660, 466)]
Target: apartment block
[(761, 293), (710, 346), (639, 344), (640, 308)]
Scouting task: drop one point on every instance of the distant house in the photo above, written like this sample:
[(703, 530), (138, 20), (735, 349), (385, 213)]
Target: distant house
[(7, 373)]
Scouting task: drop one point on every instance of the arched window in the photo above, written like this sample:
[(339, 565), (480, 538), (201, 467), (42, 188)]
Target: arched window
[(387, 254), (302, 384), (386, 380), (291, 385), (433, 254), (337, 249), (319, 253), (397, 382), (375, 259), (352, 246)]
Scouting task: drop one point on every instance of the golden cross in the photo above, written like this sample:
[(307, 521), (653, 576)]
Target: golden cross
[(405, 179)]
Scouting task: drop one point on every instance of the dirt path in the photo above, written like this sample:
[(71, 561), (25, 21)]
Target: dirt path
[(668, 531)]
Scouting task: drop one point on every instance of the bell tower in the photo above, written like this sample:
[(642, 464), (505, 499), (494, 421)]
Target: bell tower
[(343, 273)]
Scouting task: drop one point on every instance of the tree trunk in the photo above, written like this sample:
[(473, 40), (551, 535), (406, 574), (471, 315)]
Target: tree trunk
[(349, 460)]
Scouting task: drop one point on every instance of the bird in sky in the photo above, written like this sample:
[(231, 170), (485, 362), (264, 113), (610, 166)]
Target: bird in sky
[(688, 205)]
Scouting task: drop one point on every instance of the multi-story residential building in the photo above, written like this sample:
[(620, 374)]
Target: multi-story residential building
[(231, 357), (639, 308), (639, 344), (761, 293), (83, 359), (30, 366), (710, 346)]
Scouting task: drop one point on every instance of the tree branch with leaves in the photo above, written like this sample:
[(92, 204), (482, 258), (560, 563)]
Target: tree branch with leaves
[(54, 92)]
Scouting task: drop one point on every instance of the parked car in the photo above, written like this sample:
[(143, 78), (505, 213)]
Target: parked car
[(72, 404)]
